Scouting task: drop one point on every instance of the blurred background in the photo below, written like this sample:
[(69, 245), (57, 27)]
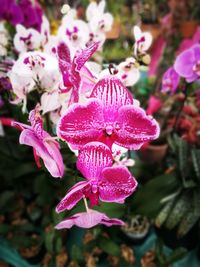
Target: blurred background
[(163, 215)]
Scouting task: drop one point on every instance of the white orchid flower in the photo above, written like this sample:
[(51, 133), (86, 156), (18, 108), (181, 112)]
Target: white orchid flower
[(34, 69), (75, 33), (26, 39), (98, 20), (128, 72), (143, 40)]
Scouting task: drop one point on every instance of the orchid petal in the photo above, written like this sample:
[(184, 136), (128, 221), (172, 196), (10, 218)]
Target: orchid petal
[(73, 196), (135, 127), (81, 123), (28, 137), (116, 184), (184, 63), (81, 58), (64, 63), (93, 158), (113, 94), (88, 220)]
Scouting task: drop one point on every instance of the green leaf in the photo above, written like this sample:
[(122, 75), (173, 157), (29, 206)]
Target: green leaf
[(6, 199), (111, 209), (196, 161), (147, 199), (181, 207), (108, 246), (187, 223), (49, 238), (76, 253), (176, 255), (162, 216), (58, 244), (183, 160), (196, 200), (5, 229)]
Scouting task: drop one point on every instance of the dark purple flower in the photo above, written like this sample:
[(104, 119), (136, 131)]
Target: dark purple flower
[(170, 81), (32, 13), (11, 12), (187, 64), (25, 12)]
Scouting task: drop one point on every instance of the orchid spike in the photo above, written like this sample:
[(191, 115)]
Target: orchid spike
[(109, 117), (44, 146), (109, 184), (71, 70), (87, 220)]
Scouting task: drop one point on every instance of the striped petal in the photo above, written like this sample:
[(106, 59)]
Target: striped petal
[(73, 196), (93, 158), (116, 184), (113, 95)]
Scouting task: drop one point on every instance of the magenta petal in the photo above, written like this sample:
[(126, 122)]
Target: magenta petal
[(73, 196), (83, 219), (64, 53), (28, 137), (135, 127), (109, 222), (93, 158), (53, 148), (184, 63), (81, 123), (88, 220), (116, 184), (65, 63), (113, 95), (87, 78), (84, 55)]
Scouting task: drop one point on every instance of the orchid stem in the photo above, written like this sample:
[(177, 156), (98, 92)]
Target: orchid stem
[(180, 110), (86, 204), (52, 138), (86, 76)]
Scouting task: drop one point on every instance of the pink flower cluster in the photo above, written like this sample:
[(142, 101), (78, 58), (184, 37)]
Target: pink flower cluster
[(110, 116)]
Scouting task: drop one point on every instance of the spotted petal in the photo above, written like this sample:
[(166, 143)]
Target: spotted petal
[(64, 63), (81, 58), (81, 123), (73, 196), (113, 95), (116, 184), (135, 127), (93, 158)]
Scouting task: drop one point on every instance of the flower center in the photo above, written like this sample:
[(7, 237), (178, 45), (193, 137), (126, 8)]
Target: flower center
[(101, 25), (34, 61), (73, 35), (26, 40), (196, 68)]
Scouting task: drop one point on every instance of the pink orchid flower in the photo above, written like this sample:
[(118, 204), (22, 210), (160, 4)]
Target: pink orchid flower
[(109, 117), (88, 220), (74, 71), (109, 184), (43, 145)]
